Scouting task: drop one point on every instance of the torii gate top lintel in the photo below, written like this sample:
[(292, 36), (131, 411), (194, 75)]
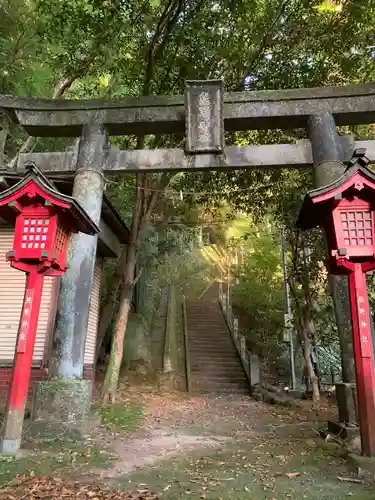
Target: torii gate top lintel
[(203, 114), (248, 110)]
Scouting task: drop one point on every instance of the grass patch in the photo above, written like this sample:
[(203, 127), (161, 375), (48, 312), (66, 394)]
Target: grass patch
[(125, 417), (242, 473)]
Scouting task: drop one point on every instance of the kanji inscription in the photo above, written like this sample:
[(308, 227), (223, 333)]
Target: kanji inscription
[(364, 326), (25, 320), (204, 117)]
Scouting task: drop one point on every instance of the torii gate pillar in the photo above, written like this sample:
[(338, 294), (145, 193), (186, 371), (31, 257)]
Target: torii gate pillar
[(328, 166), (65, 396)]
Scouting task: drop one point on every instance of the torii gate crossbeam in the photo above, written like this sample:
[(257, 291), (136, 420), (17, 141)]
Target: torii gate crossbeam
[(268, 109)]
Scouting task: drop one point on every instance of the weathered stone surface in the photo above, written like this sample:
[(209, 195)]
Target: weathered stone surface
[(328, 166), (271, 395), (171, 381), (342, 431), (340, 294), (64, 401), (353, 104), (297, 155), (172, 332), (326, 150), (204, 117), (62, 431), (254, 370), (75, 290)]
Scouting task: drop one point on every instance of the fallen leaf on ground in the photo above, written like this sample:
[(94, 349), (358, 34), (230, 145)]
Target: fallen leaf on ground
[(55, 488), (291, 475)]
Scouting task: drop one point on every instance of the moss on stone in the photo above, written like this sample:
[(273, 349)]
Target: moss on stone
[(62, 399)]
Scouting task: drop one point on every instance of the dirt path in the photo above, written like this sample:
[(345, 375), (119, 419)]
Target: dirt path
[(231, 448), (208, 448)]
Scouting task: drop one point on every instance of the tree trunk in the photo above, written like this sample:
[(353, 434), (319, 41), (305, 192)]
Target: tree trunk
[(106, 315), (310, 368), (144, 204), (112, 375), (3, 138)]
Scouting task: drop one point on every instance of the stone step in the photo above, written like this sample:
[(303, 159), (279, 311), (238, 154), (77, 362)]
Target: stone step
[(206, 316), (210, 390), (218, 378), (198, 304), (214, 333), (235, 388), (222, 377), (226, 364), (210, 305), (219, 384), (209, 348), (204, 324), (218, 337), (212, 349), (210, 309), (219, 340), (211, 356), (209, 333), (215, 369), (215, 365)]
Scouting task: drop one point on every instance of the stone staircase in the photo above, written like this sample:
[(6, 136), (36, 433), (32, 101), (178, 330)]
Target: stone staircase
[(215, 365)]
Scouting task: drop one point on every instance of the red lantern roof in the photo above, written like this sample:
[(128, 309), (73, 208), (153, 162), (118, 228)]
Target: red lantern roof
[(357, 181), (36, 185)]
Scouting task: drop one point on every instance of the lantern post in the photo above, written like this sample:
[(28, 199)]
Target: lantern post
[(44, 220), (364, 357), (345, 209)]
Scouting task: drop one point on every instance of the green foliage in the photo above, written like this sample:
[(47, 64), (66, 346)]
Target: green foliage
[(259, 294)]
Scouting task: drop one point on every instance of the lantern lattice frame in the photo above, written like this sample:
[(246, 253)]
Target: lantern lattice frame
[(44, 218), (345, 209)]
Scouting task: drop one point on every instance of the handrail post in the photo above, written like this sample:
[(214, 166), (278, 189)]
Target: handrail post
[(235, 329), (186, 341)]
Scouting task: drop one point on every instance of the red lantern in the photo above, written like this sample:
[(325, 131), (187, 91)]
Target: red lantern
[(345, 210), (44, 220)]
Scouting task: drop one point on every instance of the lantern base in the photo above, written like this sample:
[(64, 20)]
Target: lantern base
[(10, 445)]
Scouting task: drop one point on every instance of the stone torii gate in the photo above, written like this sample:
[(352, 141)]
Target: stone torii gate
[(204, 113)]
